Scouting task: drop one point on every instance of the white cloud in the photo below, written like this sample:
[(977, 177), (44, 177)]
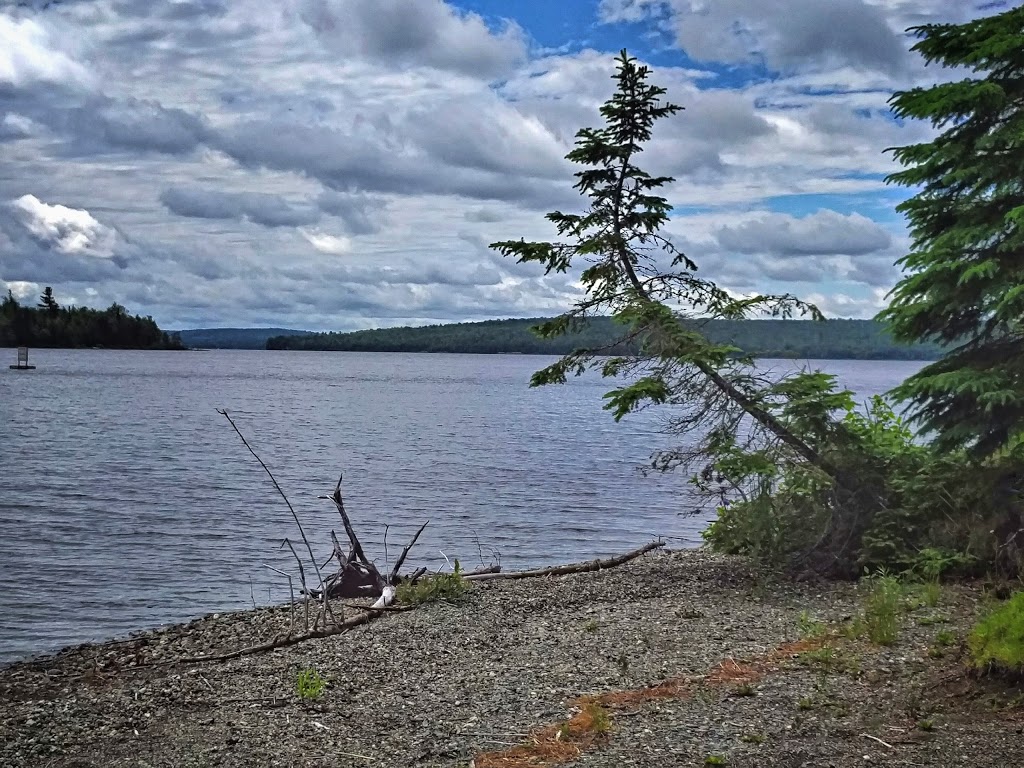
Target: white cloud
[(334, 244), (69, 231), (21, 289), (28, 55)]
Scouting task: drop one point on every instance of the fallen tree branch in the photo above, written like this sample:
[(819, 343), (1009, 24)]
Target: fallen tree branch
[(561, 570), (480, 571), (286, 640)]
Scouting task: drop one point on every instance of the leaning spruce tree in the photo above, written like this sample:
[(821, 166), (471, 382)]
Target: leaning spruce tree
[(964, 277), (635, 274), (798, 477)]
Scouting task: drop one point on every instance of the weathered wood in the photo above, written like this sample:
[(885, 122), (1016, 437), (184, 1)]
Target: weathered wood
[(561, 570), (287, 640), (481, 571), (393, 579)]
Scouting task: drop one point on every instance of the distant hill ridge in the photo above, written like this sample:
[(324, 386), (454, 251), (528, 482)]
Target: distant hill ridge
[(831, 339), (233, 338)]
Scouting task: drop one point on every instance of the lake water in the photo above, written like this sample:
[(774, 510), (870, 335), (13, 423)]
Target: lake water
[(126, 501)]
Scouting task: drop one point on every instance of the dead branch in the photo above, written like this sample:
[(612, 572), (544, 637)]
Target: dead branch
[(325, 609), (291, 591), (393, 579), (561, 570), (481, 571), (286, 640), (277, 485), (302, 581), (339, 503)]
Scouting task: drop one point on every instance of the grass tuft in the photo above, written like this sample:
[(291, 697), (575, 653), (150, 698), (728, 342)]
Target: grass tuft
[(309, 685), (997, 641), (883, 608)]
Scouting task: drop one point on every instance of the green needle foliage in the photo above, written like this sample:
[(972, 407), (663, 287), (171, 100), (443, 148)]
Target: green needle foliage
[(964, 281), (636, 275)]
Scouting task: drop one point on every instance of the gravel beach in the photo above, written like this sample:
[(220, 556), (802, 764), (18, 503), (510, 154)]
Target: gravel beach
[(477, 681)]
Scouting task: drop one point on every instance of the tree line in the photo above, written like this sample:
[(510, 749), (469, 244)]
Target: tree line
[(826, 340), (48, 324)]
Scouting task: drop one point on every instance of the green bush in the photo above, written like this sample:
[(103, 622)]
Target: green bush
[(440, 586), (788, 513), (997, 641), (893, 504)]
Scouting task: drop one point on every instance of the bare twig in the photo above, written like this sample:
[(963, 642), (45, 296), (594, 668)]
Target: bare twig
[(277, 485), (405, 552), (875, 738), (291, 626), (302, 579)]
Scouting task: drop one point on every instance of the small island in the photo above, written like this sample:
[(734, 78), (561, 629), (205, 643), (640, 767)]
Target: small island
[(48, 324)]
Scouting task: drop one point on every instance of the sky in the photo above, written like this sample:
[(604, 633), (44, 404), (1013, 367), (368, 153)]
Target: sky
[(344, 164)]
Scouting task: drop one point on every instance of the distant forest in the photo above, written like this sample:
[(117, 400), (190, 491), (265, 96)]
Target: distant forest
[(50, 325), (233, 338), (831, 339)]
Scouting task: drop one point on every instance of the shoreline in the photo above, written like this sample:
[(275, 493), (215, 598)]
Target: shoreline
[(445, 684)]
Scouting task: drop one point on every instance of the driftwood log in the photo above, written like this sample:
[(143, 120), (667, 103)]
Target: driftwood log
[(562, 570)]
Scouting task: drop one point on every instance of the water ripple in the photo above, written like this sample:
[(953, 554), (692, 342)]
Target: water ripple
[(126, 501)]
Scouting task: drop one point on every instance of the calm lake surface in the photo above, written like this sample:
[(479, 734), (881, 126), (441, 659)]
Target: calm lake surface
[(126, 501)]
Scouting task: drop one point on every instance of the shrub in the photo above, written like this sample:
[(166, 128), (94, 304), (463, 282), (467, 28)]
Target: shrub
[(997, 641), (893, 503), (440, 586), (789, 513)]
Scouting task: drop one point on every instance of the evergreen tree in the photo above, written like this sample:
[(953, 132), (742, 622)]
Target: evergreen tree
[(47, 302), (964, 281), (637, 276)]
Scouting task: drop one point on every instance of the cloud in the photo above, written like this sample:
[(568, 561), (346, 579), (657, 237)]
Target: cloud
[(786, 35), (825, 233), (28, 56), (53, 244), (344, 163), (68, 231), (21, 289), (328, 243), (14, 126), (260, 208), (133, 124), (362, 214), (401, 33)]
